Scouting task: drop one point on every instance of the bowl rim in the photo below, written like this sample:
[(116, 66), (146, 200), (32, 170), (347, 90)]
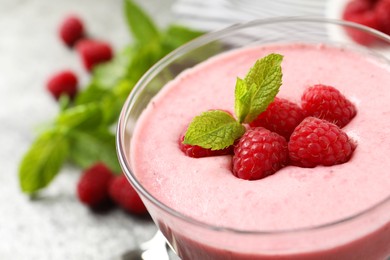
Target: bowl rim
[(193, 44)]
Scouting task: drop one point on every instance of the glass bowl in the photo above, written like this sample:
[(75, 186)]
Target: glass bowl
[(363, 235)]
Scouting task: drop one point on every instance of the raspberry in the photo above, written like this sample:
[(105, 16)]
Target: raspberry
[(63, 83), (319, 142), (361, 12), (125, 196), (382, 13), (281, 116), (328, 103), (196, 151), (92, 188), (93, 52), (259, 153), (71, 30)]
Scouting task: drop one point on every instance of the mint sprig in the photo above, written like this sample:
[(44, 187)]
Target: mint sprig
[(259, 88), (213, 129), (44, 159), (218, 129), (82, 133)]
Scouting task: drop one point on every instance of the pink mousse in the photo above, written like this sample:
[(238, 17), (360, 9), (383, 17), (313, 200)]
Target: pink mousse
[(205, 188)]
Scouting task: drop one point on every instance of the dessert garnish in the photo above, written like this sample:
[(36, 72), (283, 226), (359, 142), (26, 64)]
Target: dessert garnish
[(259, 153), (328, 103), (318, 142), (271, 132), (218, 129), (196, 151), (281, 116)]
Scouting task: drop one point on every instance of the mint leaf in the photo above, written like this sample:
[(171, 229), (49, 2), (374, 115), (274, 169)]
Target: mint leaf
[(108, 74), (144, 57), (140, 24), (176, 35), (89, 147), (111, 106), (261, 85), (242, 99), (43, 161), (92, 93), (82, 116), (214, 129)]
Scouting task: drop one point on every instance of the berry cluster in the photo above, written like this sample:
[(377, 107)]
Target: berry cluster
[(98, 185), (288, 134), (91, 51), (371, 13)]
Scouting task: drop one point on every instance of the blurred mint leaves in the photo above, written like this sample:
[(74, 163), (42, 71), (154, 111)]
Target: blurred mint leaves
[(82, 133)]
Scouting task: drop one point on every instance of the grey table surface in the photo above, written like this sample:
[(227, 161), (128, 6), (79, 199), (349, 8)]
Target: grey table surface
[(56, 226)]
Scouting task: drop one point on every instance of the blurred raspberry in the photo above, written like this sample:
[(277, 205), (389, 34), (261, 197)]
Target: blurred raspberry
[(123, 194), (94, 52), (71, 30), (63, 83), (382, 13), (92, 188), (361, 12)]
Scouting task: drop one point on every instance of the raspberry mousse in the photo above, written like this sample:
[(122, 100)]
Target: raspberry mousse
[(293, 198)]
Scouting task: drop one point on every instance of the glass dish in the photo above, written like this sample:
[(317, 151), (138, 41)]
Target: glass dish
[(365, 235)]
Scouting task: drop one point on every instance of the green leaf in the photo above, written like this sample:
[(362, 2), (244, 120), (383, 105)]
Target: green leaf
[(214, 129), (88, 116), (140, 24), (108, 74), (64, 102), (176, 35), (43, 161), (145, 56), (262, 84), (111, 106), (89, 147), (242, 98)]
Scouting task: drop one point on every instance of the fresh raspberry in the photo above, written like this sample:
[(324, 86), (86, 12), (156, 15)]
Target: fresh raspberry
[(93, 52), (361, 12), (92, 188), (281, 116), (71, 30), (318, 142), (125, 196), (328, 103), (259, 153), (63, 83), (382, 13), (196, 151)]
